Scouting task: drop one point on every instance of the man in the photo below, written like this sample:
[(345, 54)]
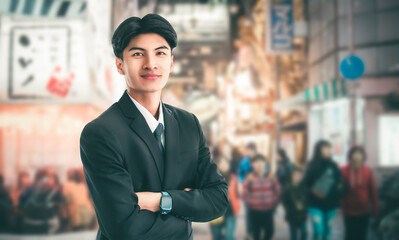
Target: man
[(146, 163)]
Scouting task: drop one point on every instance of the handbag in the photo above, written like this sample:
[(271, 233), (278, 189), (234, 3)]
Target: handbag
[(324, 183)]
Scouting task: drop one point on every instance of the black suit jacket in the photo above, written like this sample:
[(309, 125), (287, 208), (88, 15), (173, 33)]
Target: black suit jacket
[(120, 156)]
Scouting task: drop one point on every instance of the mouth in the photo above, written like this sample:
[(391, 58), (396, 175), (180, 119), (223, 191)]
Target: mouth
[(150, 76)]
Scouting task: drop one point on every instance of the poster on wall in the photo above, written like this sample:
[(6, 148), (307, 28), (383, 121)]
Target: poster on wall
[(37, 57), (43, 60)]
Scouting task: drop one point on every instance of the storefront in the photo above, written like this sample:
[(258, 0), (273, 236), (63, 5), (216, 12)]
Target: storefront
[(37, 136), (56, 75), (329, 115)]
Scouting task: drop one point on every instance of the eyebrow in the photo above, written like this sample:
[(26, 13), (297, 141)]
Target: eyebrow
[(142, 49)]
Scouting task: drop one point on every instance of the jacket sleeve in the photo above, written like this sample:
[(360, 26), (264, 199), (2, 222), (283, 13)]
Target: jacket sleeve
[(373, 194), (285, 198), (113, 195), (241, 171), (245, 192), (208, 200), (277, 189), (308, 179)]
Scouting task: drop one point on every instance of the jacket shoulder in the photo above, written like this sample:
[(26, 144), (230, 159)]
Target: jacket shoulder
[(106, 121), (180, 113)]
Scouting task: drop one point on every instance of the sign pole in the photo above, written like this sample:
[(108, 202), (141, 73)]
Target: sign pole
[(351, 48), (277, 84)]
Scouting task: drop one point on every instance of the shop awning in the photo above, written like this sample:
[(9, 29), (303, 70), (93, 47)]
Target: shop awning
[(323, 92)]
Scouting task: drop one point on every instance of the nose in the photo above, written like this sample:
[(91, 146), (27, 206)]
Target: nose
[(150, 63)]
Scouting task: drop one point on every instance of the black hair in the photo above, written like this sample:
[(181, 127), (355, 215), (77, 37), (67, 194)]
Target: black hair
[(317, 153), (282, 154), (251, 145), (355, 149), (134, 26), (258, 157)]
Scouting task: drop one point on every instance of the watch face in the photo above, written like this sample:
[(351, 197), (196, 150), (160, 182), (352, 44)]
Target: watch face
[(166, 203)]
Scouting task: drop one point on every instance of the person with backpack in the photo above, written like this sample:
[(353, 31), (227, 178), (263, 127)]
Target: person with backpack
[(323, 182)]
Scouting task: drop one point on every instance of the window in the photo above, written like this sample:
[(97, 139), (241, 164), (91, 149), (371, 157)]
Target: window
[(388, 140)]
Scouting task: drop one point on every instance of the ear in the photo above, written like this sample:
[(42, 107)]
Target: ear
[(171, 63), (119, 66)]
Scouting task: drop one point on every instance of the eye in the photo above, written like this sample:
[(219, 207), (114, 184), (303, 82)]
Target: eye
[(161, 53), (138, 54)]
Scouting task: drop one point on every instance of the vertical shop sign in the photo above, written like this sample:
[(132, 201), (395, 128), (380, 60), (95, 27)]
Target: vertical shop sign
[(280, 26)]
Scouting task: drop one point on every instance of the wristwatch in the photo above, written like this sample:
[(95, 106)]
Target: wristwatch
[(166, 203)]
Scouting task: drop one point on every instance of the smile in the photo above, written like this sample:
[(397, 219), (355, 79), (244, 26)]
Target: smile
[(150, 76)]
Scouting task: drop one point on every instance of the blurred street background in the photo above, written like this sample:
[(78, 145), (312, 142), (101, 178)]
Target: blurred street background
[(260, 75)]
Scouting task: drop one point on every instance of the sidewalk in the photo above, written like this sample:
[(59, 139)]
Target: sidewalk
[(202, 231)]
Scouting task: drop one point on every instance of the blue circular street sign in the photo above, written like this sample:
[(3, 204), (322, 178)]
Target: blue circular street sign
[(352, 67)]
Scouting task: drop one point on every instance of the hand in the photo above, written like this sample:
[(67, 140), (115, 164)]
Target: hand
[(149, 200), (317, 194), (299, 205)]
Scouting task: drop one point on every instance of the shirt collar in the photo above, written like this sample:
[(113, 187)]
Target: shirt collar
[(152, 122)]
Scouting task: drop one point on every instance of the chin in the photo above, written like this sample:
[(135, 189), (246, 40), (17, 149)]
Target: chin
[(149, 89)]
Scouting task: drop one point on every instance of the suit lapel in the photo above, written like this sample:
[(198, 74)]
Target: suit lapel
[(141, 128), (171, 142)]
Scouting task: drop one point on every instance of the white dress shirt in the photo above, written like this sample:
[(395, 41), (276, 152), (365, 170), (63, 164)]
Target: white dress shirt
[(152, 122)]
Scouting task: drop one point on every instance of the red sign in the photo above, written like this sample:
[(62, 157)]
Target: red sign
[(60, 82)]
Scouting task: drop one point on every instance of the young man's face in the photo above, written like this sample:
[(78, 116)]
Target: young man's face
[(147, 63)]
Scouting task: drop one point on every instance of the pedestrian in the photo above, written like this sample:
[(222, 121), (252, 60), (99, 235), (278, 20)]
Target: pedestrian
[(6, 208), (245, 167), (218, 226), (261, 193), (360, 199), (42, 204), (233, 193), (294, 200), (80, 208), (323, 183), (284, 168)]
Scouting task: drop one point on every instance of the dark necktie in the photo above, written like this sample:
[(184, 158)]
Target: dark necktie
[(158, 133)]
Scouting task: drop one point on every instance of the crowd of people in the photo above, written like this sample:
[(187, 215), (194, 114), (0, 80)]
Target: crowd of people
[(45, 205), (313, 192), (307, 193)]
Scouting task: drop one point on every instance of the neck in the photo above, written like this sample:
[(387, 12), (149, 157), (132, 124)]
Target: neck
[(260, 174), (355, 166), (149, 100)]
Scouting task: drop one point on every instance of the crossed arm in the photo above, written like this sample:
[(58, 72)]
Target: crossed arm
[(151, 200), (125, 214)]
